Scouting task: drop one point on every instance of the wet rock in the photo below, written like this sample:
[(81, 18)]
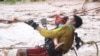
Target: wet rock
[(51, 16), (85, 34), (28, 14)]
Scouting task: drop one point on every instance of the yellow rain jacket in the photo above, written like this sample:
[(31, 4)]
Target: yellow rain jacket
[(64, 34)]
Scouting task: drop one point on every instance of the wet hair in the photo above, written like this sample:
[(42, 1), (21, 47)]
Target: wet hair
[(78, 21), (65, 18)]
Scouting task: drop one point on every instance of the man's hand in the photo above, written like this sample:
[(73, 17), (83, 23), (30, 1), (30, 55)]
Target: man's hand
[(32, 23), (29, 22)]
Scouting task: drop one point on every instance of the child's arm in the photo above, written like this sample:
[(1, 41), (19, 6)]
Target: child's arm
[(57, 45), (55, 41)]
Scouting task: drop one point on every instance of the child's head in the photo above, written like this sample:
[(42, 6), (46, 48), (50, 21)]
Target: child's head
[(60, 20), (65, 18), (75, 20)]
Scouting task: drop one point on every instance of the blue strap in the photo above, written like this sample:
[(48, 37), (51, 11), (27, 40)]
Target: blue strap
[(60, 25)]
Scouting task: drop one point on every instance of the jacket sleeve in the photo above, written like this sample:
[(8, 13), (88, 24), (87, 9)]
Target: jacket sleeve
[(49, 33), (53, 33)]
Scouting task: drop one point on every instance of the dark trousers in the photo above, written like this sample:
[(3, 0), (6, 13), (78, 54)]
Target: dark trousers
[(54, 53), (58, 53), (49, 45)]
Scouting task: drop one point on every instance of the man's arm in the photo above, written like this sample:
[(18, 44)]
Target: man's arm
[(48, 33)]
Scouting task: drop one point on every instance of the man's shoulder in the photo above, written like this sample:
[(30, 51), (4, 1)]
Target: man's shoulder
[(67, 27)]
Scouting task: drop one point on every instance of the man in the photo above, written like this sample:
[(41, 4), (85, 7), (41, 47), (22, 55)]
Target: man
[(64, 34)]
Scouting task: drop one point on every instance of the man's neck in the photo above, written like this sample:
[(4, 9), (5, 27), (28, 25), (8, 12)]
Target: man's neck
[(71, 25)]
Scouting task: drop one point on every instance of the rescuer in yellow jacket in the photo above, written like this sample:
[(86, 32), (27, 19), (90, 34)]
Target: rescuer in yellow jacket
[(64, 35)]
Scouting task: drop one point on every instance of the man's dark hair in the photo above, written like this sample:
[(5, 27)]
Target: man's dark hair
[(78, 21)]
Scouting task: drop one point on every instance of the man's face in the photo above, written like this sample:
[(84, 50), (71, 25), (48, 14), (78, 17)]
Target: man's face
[(71, 20)]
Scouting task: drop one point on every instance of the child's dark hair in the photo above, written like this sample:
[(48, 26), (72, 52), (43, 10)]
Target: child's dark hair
[(65, 18), (78, 20)]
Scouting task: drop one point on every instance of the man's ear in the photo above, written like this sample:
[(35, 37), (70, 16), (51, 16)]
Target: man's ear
[(73, 22)]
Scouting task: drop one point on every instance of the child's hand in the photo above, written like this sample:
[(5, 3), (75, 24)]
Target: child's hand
[(59, 45)]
